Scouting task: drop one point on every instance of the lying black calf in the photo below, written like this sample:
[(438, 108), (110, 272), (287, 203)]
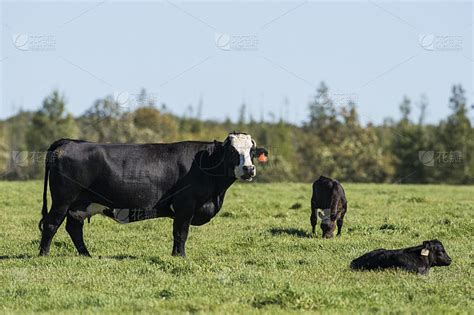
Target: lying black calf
[(415, 259)]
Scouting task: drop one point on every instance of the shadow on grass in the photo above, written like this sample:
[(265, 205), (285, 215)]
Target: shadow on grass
[(290, 231), (27, 256), (21, 256), (119, 257)]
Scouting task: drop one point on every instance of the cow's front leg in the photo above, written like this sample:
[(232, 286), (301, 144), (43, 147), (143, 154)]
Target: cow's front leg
[(314, 219), (180, 235)]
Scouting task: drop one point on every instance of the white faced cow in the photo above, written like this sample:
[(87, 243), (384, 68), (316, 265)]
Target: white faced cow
[(186, 181)]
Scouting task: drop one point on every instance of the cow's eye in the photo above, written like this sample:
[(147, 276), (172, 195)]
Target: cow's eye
[(253, 153)]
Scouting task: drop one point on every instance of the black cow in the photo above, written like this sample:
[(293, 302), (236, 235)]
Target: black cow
[(329, 196), (186, 181), (417, 259)]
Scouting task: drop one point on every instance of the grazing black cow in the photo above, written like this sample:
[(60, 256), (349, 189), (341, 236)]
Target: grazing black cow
[(329, 196), (186, 181), (417, 259)]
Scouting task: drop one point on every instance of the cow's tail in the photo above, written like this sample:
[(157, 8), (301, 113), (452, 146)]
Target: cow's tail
[(44, 210), (47, 162)]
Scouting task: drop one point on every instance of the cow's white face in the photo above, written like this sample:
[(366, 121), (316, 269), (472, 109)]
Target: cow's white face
[(325, 215), (327, 226), (243, 146)]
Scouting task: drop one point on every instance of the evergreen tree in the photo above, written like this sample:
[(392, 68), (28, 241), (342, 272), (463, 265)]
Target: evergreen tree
[(321, 110), (405, 146), (456, 138)]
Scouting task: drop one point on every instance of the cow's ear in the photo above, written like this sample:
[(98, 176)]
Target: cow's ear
[(427, 245), (261, 154), (425, 251)]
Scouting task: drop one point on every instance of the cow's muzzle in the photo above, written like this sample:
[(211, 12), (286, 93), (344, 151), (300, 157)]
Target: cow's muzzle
[(248, 172)]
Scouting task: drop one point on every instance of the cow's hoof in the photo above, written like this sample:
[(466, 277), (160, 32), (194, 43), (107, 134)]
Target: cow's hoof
[(178, 255), (43, 252)]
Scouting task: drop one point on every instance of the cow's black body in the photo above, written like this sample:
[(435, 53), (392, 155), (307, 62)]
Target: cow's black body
[(328, 194), (186, 181), (410, 259)]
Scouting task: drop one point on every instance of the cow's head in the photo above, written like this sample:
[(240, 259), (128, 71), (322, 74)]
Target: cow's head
[(436, 253), (327, 225), (240, 150)]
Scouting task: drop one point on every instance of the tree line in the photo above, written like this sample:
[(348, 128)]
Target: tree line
[(332, 141)]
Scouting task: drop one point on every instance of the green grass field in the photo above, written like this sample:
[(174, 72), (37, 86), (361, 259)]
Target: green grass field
[(256, 256)]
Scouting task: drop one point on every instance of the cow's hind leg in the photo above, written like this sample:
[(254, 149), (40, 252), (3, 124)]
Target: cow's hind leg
[(51, 223), (75, 229)]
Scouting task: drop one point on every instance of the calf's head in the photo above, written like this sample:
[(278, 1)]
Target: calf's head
[(436, 253), (240, 150), (327, 225)]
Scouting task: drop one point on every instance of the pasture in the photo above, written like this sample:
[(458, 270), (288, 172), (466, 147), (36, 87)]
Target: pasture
[(256, 256)]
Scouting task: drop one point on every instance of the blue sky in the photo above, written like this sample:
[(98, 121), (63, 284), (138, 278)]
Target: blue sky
[(270, 55)]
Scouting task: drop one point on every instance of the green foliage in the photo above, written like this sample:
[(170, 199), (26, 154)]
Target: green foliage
[(50, 122), (256, 256), (456, 135), (162, 127), (332, 141)]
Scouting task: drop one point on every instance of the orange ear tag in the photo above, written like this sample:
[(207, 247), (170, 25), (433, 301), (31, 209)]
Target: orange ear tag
[(262, 158)]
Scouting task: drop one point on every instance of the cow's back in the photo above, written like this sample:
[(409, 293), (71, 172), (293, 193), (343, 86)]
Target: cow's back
[(322, 192), (121, 175)]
